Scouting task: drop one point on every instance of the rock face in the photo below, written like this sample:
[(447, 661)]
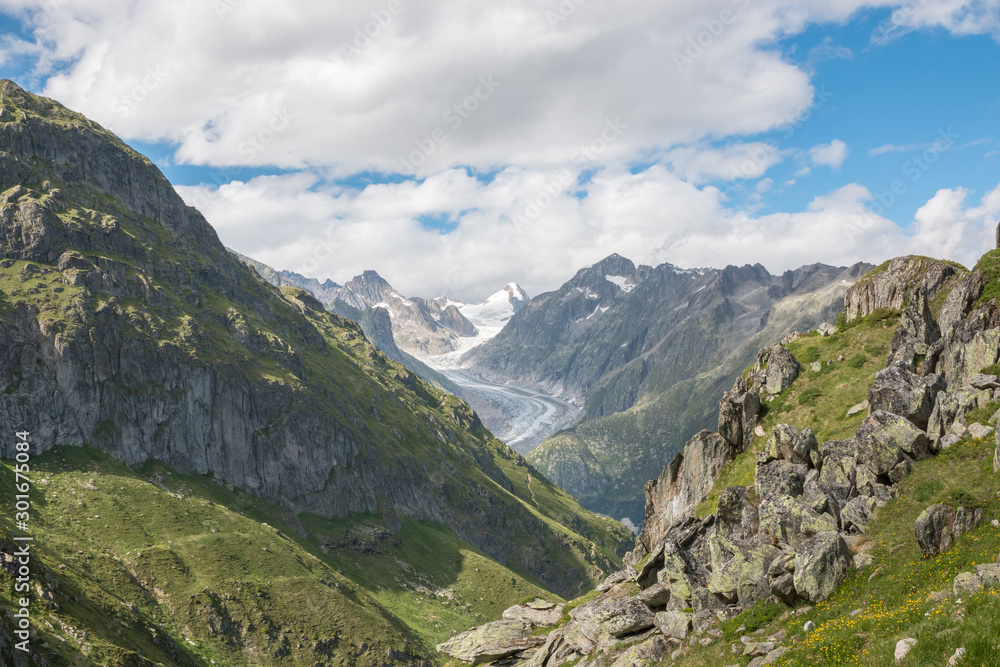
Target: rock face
[(901, 392), (939, 525), (893, 285), (684, 483), (128, 326)]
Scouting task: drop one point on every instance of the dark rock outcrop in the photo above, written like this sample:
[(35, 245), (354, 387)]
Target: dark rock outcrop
[(939, 525)]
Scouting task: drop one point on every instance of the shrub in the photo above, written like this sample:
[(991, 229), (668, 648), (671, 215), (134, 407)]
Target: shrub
[(962, 498), (857, 361)]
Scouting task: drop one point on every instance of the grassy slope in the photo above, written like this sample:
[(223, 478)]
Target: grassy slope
[(193, 555)]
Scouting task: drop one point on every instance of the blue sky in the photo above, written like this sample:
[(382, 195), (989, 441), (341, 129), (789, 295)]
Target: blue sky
[(444, 151)]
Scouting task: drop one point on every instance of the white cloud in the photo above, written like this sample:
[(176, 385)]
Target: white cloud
[(832, 154), (698, 164), (651, 217)]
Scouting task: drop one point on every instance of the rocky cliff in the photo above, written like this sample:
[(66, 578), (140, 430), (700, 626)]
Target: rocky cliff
[(797, 529), (125, 324)]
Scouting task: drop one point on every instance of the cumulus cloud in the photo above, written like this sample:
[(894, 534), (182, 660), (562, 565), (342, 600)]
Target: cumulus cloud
[(832, 154)]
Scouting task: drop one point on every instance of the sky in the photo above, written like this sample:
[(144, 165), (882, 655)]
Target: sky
[(455, 147)]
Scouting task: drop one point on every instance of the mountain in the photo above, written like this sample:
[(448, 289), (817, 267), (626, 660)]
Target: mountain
[(376, 323), (645, 351), (129, 334), (841, 513)]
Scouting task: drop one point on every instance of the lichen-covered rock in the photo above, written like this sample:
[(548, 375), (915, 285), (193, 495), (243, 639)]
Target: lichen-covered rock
[(645, 654), (540, 613), (681, 573), (490, 642), (788, 443), (821, 563), (966, 584), (786, 520), (674, 624), (857, 513), (896, 284), (884, 438), (783, 587), (939, 525), (780, 477), (657, 595), (907, 394), (782, 369), (738, 412), (838, 475), (623, 616)]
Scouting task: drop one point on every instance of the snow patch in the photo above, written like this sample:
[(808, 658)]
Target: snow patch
[(623, 283)]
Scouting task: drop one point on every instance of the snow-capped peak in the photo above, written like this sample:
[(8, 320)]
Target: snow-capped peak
[(498, 308)]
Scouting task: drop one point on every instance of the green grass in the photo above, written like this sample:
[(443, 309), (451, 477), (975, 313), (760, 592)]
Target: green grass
[(154, 553), (989, 267)]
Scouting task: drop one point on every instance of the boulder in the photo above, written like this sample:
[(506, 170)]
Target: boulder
[(821, 563), (788, 443), (674, 624), (738, 412), (837, 477), (903, 393), (783, 588), (903, 648), (554, 645), (989, 574), (681, 573), (615, 578), (782, 369), (826, 329), (734, 516), (966, 584), (620, 616), (780, 477), (490, 642), (979, 430), (857, 513), (952, 407), (657, 595), (786, 520), (996, 455), (982, 381), (645, 654), (939, 525), (884, 438), (858, 409)]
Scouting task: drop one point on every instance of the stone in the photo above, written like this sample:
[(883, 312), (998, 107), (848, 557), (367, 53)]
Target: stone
[(948, 441), (903, 647), (554, 645), (981, 381), (783, 587), (989, 574), (826, 329), (786, 520), (838, 476), (956, 657), (883, 439), (966, 584), (821, 563), (674, 624), (939, 525), (623, 616), (754, 649), (657, 595), (759, 431), (857, 513), (775, 655), (738, 412), (907, 394), (809, 626), (780, 477), (545, 617), (902, 469), (863, 560), (788, 443), (816, 366), (645, 654), (979, 431), (615, 578), (858, 409), (996, 455), (782, 369), (490, 642)]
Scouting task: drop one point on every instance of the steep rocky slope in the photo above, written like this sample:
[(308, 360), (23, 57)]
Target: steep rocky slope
[(125, 324), (692, 334), (771, 512)]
